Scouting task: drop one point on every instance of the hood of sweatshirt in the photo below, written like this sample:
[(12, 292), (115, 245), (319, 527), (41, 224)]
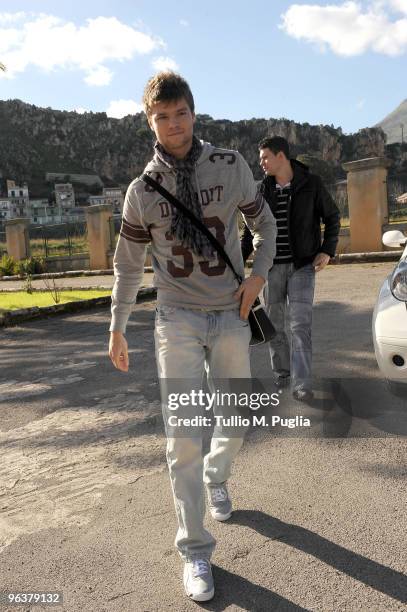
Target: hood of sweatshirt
[(156, 165)]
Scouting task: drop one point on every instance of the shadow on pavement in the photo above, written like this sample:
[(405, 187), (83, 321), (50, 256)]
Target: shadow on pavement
[(232, 589), (373, 574)]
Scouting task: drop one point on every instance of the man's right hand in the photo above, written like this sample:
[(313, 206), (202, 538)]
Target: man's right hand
[(118, 352)]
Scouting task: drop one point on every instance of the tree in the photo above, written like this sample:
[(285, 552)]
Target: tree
[(2, 67)]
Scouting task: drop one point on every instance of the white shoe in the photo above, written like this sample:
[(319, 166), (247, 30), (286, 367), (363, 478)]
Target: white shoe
[(219, 502), (198, 580)]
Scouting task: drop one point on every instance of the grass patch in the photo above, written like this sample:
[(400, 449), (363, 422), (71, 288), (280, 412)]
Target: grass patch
[(13, 300), (59, 246), (401, 219)]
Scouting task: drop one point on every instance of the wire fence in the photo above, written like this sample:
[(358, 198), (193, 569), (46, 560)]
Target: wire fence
[(62, 239), (3, 244), (397, 206), (67, 239)]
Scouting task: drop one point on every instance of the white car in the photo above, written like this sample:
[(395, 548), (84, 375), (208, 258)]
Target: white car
[(390, 317)]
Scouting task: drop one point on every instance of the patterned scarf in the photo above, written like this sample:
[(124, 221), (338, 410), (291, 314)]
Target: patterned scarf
[(181, 227)]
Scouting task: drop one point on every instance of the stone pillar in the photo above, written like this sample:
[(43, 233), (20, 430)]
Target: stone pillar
[(367, 200), (99, 238), (18, 242)]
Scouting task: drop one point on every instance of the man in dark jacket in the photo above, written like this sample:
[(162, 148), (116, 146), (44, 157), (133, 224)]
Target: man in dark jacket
[(299, 202)]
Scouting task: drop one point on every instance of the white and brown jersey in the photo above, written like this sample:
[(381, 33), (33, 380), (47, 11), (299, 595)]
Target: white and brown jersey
[(225, 185), (134, 233)]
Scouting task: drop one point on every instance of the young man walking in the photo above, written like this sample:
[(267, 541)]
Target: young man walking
[(201, 320), (299, 202)]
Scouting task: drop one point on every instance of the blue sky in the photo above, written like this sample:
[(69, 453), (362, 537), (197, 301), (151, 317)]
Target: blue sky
[(340, 63)]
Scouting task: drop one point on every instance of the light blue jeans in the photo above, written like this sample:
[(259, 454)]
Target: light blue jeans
[(189, 343), (289, 296)]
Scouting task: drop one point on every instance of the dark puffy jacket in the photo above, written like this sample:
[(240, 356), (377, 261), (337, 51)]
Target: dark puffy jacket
[(310, 204)]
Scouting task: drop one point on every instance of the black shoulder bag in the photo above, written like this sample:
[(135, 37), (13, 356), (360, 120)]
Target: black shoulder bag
[(261, 327)]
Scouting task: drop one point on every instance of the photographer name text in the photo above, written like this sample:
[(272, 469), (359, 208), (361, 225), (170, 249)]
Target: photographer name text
[(239, 421)]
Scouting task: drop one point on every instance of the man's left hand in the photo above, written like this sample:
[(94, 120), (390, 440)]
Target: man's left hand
[(247, 293), (320, 261)]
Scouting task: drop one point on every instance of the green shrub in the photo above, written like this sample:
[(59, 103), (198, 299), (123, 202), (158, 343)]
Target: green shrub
[(28, 285), (7, 265), (32, 265)]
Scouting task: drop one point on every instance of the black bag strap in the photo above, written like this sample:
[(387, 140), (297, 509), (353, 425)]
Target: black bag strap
[(175, 202)]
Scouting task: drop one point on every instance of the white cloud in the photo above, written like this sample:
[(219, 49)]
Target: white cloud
[(185, 23), (12, 17), (164, 63), (348, 29), (100, 75), (399, 5), (50, 43), (121, 108)]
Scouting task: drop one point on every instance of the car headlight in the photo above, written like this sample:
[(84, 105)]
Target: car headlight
[(398, 282)]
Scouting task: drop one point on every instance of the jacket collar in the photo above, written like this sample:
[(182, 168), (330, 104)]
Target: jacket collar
[(301, 174)]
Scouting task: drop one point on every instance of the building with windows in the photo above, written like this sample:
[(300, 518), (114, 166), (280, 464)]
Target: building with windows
[(402, 199), (64, 197), (40, 211), (114, 196), (19, 199), (44, 213), (5, 209), (110, 195)]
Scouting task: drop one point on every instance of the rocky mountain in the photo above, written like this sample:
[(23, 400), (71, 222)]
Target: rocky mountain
[(35, 140), (391, 125)]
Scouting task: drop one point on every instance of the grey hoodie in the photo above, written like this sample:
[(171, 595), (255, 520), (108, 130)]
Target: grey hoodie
[(225, 185)]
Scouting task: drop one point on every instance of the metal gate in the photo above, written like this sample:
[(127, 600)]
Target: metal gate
[(3, 243), (397, 204), (59, 240)]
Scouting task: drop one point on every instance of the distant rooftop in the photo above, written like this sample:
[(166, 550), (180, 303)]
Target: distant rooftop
[(62, 177)]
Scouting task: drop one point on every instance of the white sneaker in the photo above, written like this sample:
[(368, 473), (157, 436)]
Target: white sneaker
[(198, 580), (219, 502)]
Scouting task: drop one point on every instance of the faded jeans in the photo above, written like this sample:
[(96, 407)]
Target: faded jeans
[(189, 343), (289, 297)]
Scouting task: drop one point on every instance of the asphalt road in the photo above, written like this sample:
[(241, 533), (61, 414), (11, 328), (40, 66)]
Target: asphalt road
[(86, 508)]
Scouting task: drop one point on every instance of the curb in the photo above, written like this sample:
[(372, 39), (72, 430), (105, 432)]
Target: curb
[(45, 290), (348, 258), (342, 258), (68, 274), (8, 319), (379, 256), (338, 259)]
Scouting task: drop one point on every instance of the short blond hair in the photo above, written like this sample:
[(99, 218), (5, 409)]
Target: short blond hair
[(166, 87)]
